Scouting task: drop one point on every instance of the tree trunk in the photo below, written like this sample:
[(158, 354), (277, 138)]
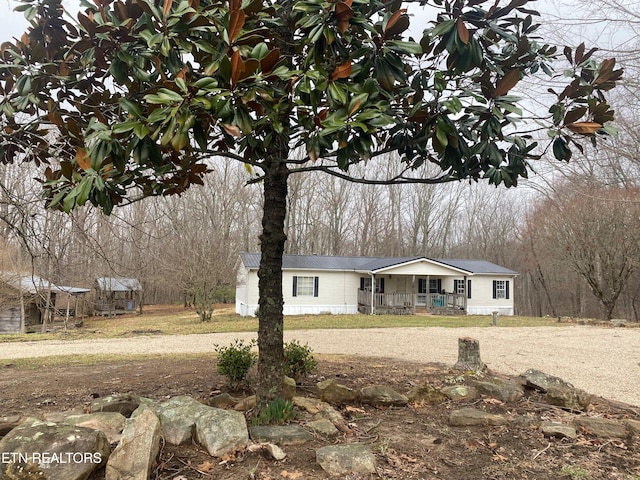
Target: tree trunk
[(270, 315)]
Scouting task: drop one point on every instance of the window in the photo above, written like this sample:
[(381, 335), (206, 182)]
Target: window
[(305, 286), (435, 285), (501, 289), (458, 287), (365, 284)]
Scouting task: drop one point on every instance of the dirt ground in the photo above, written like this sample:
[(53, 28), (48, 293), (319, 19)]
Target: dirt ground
[(409, 443)]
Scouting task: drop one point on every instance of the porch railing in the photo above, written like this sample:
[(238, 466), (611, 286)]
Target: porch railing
[(406, 303)]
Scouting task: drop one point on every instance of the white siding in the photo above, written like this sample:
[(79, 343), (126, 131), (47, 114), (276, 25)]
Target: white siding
[(420, 268), (337, 293), (482, 301)]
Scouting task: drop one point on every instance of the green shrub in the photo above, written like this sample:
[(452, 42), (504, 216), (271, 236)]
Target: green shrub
[(235, 360), (277, 412), (298, 360)]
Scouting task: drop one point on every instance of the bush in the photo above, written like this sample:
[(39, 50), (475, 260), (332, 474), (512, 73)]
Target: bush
[(277, 412), (298, 360), (235, 360)]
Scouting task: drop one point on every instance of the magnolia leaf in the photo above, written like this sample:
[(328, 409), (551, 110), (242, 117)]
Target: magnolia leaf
[(82, 158), (167, 7), (342, 71), (397, 24), (584, 128), (506, 83), (575, 114), (232, 130), (463, 31), (606, 69), (236, 22), (270, 61), (237, 67), (343, 13)]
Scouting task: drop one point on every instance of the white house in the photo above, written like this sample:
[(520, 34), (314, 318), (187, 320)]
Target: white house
[(314, 284)]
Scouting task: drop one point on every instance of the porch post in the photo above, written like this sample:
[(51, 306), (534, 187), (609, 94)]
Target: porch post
[(373, 292), (466, 293)]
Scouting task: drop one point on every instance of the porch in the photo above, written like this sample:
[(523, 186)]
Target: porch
[(410, 303)]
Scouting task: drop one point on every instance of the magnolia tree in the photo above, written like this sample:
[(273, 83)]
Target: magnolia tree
[(133, 97)]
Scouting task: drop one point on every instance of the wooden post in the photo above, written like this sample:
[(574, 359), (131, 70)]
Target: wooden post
[(469, 355)]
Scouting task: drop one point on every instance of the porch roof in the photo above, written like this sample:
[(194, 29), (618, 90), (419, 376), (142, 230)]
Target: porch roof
[(373, 264)]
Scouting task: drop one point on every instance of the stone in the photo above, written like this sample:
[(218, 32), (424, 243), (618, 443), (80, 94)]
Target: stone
[(381, 396), (460, 393), (618, 322), (541, 381), (177, 419), (125, 404), (8, 423), (331, 414), (469, 417), (426, 394), (221, 431), (224, 400), (558, 430), (331, 392), (601, 427), (64, 452), (138, 449), (109, 423), (218, 431), (288, 388), (246, 404), (633, 426), (501, 390), (323, 427), (311, 405), (469, 355), (280, 434), (568, 397), (342, 460)]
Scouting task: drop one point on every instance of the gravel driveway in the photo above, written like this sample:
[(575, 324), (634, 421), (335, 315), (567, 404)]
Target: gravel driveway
[(602, 361)]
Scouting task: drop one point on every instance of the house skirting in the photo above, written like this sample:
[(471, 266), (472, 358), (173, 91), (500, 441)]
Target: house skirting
[(245, 310), (480, 310)]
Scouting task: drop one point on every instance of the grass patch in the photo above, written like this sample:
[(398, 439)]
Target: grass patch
[(180, 321)]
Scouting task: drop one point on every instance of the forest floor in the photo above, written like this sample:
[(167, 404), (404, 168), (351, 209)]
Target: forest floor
[(413, 442)]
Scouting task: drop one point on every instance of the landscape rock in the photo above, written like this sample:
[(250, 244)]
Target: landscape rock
[(342, 460), (125, 403), (280, 434), (332, 392), (246, 404), (221, 431), (633, 426), (109, 423), (323, 427), (558, 430), (426, 394), (468, 417), (136, 453), (504, 391), (64, 452), (288, 388), (8, 423), (335, 417), (601, 427), (460, 393), (381, 395), (224, 400), (272, 450), (177, 419), (311, 405), (541, 381), (568, 397)]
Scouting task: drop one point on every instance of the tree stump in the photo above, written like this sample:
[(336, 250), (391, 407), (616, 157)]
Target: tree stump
[(469, 355)]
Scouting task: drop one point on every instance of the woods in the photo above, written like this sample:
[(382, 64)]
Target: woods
[(135, 99)]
